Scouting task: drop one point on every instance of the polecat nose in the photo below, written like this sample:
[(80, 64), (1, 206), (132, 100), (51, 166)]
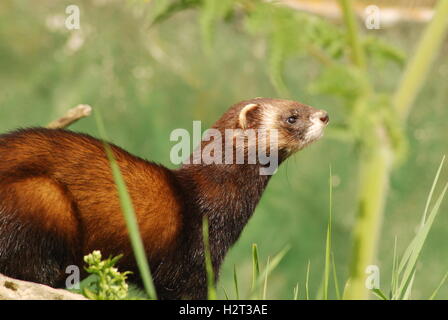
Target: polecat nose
[(322, 116)]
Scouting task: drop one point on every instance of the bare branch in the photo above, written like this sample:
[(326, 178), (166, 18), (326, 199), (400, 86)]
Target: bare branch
[(72, 115)]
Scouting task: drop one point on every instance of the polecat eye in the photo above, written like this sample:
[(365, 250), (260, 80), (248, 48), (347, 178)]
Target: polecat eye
[(291, 120)]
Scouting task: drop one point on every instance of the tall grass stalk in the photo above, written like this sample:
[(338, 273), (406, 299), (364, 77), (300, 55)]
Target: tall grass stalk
[(296, 292), (328, 240), (128, 213), (265, 286), (403, 273), (409, 260), (235, 283), (394, 280), (335, 278), (262, 278), (208, 262), (442, 282), (255, 266), (307, 281)]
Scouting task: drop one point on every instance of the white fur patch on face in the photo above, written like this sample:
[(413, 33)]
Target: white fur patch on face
[(270, 118), (316, 130)]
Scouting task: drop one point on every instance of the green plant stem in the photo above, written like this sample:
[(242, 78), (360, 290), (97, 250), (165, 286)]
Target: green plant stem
[(357, 51), (418, 67), (374, 172), (376, 162), (374, 168), (328, 242), (208, 261)]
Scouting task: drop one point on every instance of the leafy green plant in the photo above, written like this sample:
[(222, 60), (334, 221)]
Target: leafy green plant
[(105, 282)]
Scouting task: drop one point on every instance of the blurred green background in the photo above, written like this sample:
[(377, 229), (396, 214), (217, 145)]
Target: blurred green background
[(149, 80)]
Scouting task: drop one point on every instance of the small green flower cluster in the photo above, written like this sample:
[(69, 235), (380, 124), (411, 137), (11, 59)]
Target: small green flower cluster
[(109, 283)]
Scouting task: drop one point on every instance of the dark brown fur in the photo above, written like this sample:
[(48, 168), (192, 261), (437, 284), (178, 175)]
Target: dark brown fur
[(58, 202)]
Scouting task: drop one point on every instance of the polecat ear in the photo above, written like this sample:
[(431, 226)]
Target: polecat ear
[(248, 115)]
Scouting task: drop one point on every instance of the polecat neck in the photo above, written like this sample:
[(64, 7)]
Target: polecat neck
[(227, 195)]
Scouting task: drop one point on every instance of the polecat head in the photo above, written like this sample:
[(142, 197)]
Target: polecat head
[(296, 124)]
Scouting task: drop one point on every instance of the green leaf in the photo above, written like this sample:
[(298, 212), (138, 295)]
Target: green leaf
[(235, 282), (417, 245), (433, 295), (328, 241), (212, 11), (381, 52), (431, 192), (271, 267), (339, 80), (89, 294), (106, 282), (265, 281), (379, 294), (407, 294), (225, 293), (395, 275), (166, 10), (307, 280), (255, 266), (336, 282), (296, 292)]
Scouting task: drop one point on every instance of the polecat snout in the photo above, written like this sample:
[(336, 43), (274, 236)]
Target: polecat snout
[(58, 200)]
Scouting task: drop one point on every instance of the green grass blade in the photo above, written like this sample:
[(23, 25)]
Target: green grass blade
[(328, 242), (296, 292), (335, 278), (418, 245), (208, 262), (266, 280), (225, 293), (407, 294), (272, 265), (255, 266), (433, 295), (394, 280), (405, 258), (431, 192), (379, 294), (129, 215), (408, 250), (307, 281), (235, 282)]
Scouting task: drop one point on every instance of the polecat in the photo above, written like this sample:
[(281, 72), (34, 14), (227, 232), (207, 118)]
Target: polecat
[(58, 200)]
